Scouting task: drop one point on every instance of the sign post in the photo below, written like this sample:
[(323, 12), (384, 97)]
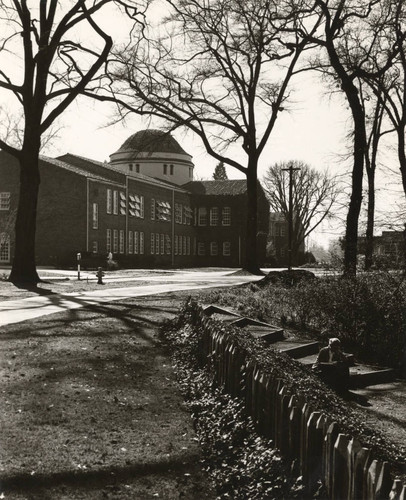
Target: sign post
[(79, 256)]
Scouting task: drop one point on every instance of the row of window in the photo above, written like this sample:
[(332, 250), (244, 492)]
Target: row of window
[(160, 244), (162, 211), (117, 203), (167, 169), (4, 247), (214, 248), (4, 201), (213, 216), (115, 241)]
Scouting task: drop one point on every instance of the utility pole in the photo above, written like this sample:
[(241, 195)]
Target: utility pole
[(290, 215)]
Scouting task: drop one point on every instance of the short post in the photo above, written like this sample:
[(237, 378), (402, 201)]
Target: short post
[(78, 256), (100, 275)]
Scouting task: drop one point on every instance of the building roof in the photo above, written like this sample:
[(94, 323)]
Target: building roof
[(152, 141), (56, 162), (229, 187), (87, 165)]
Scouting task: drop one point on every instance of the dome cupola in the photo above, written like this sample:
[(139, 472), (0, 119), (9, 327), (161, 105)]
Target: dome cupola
[(154, 153)]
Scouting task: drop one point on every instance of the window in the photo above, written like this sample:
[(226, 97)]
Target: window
[(178, 213), (122, 241), (226, 248), (108, 240), (165, 169), (283, 231), (115, 240), (202, 216), (109, 201), (167, 244), (277, 230), (176, 245), (201, 250), (130, 167), (136, 242), (4, 201), (214, 249), (136, 205), (142, 242), (226, 216), (163, 211), (156, 243), (179, 245), (95, 247), (184, 246), (130, 242), (188, 245), (162, 244), (188, 215), (95, 216), (214, 216), (123, 203), (137, 168), (4, 247), (152, 208), (115, 202), (152, 243), (171, 169)]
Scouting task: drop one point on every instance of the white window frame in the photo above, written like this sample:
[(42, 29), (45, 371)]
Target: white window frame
[(108, 240), (95, 216), (95, 247), (5, 248), (176, 245), (136, 242), (156, 243), (214, 216), (202, 216), (162, 244), (152, 243), (130, 242), (226, 216), (109, 205), (142, 239), (5, 198), (214, 248), (115, 202), (152, 208), (115, 240), (226, 248), (121, 241)]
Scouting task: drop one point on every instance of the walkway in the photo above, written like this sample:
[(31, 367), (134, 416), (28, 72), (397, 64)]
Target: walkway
[(14, 311)]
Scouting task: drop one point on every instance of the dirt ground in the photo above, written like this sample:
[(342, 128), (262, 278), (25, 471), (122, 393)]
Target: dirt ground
[(90, 408)]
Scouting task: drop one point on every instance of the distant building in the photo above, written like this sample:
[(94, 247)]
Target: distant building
[(278, 241), (143, 206)]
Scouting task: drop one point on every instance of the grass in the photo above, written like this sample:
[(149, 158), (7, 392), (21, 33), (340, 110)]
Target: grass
[(90, 408)]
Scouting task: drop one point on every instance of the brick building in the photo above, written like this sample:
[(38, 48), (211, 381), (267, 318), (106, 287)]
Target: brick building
[(143, 206)]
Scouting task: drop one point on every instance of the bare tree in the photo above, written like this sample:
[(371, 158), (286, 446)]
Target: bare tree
[(313, 193), (56, 66), (222, 70), (352, 37)]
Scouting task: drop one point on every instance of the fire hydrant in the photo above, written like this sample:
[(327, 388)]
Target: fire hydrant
[(100, 274)]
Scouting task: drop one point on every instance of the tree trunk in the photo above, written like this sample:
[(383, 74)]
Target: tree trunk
[(369, 236), (402, 155), (251, 254), (24, 266), (351, 234)]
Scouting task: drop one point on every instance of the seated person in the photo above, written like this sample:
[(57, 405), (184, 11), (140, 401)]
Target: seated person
[(332, 365)]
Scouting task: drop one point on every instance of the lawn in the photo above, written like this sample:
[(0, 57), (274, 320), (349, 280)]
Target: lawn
[(90, 408)]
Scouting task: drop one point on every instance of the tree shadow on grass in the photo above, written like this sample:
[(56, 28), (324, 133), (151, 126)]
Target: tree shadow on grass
[(96, 478), (34, 288)]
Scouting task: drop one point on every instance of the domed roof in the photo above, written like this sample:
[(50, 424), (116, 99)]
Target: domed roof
[(152, 141)]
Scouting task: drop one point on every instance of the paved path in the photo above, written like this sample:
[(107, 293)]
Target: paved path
[(14, 311)]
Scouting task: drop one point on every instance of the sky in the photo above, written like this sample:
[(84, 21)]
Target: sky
[(312, 129)]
